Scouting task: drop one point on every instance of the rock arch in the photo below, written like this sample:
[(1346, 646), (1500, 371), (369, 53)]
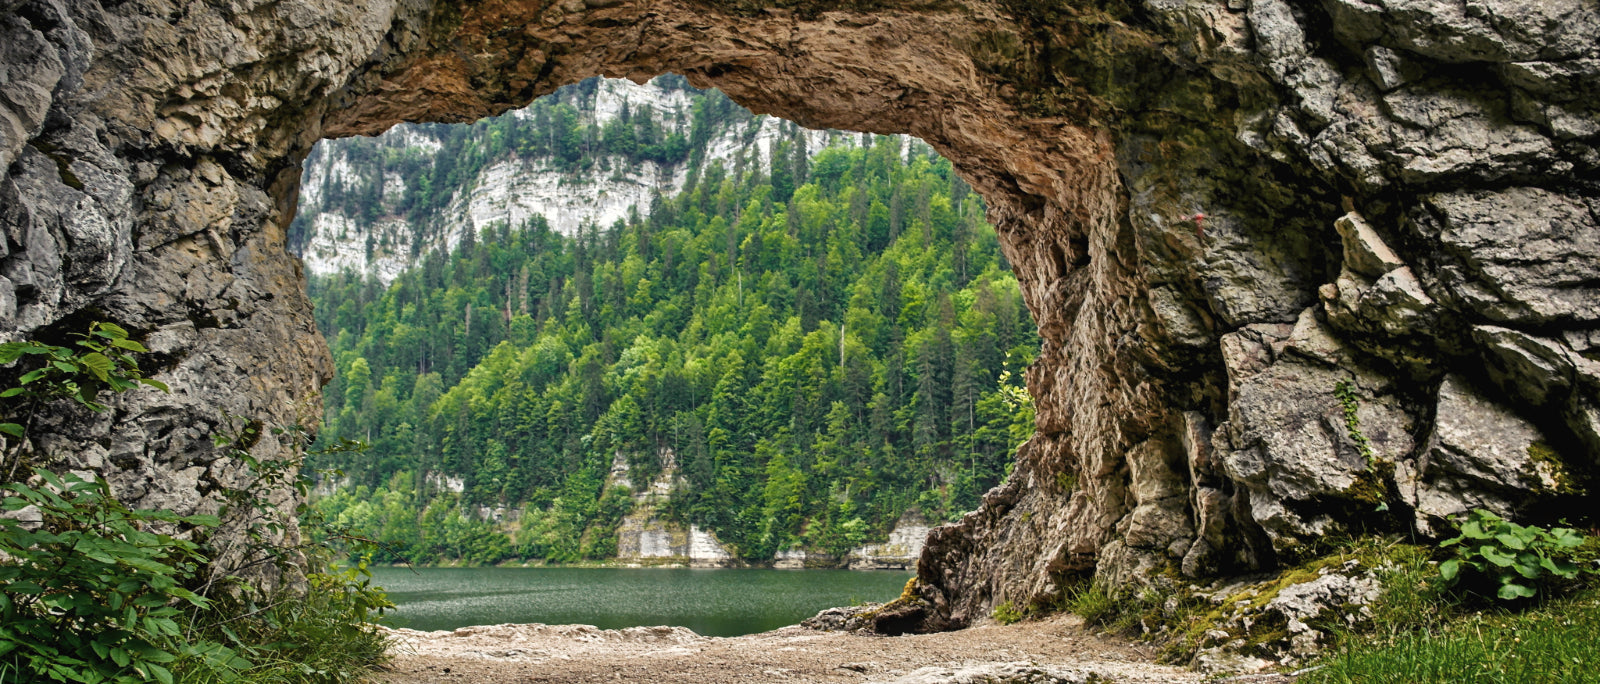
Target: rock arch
[(1164, 176)]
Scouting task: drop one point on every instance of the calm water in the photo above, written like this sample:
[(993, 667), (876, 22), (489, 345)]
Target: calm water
[(710, 602)]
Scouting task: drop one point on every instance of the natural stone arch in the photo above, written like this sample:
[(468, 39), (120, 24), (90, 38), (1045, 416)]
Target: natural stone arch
[(1050, 184), (151, 155)]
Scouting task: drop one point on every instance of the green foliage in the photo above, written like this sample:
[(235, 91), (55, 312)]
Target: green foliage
[(91, 594), (1349, 401), (1420, 632), (100, 360), (850, 353), (94, 591), (1514, 559), (1006, 614), (1093, 602)]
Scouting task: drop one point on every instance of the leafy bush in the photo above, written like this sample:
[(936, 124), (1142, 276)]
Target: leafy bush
[(91, 595), (1006, 613), (1516, 559), (93, 591)]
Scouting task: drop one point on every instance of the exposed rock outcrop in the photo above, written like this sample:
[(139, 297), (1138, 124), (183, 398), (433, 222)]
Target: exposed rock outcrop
[(514, 189), (644, 537), (1232, 367)]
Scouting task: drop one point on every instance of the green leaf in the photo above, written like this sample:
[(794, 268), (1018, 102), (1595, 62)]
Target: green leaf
[(1566, 537), (1511, 541), (65, 366), (11, 351), (98, 364), (202, 520), (12, 429), (129, 345), (31, 376), (162, 674), (1449, 569), (155, 383), (1511, 591), (1559, 568), (1496, 556), (112, 330)]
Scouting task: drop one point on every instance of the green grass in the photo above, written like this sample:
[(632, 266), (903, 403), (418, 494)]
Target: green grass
[(324, 633), (1555, 642)]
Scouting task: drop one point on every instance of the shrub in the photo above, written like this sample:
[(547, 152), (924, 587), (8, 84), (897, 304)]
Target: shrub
[(93, 591), (1516, 559), (1006, 613), (91, 594)]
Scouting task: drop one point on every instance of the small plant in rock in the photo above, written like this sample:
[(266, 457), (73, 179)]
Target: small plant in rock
[(1345, 391), (1514, 559), (1006, 613), (1093, 602)]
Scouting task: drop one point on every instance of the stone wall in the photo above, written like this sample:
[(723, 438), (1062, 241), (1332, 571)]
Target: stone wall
[(1300, 267)]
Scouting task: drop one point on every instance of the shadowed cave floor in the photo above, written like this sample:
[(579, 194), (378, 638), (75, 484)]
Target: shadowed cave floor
[(576, 653)]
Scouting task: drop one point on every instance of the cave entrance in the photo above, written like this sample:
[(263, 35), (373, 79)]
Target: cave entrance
[(944, 74), (153, 166), (727, 339)]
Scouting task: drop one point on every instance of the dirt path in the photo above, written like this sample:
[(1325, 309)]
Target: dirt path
[(1047, 651)]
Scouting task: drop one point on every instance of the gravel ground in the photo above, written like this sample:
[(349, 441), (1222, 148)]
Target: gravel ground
[(1053, 650)]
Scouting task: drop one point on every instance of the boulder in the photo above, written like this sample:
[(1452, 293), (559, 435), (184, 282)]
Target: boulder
[(1480, 454)]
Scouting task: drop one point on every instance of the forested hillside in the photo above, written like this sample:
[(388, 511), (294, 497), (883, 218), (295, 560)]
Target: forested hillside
[(586, 153), (823, 343)]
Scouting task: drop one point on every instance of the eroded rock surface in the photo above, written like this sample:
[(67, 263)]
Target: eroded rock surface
[(1272, 246)]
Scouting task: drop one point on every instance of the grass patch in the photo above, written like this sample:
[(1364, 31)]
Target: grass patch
[(1006, 614), (323, 634), (1554, 642)]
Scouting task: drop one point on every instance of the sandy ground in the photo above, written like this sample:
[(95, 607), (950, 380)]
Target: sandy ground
[(579, 653)]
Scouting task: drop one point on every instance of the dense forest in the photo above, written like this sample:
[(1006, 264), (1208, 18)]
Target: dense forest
[(820, 343)]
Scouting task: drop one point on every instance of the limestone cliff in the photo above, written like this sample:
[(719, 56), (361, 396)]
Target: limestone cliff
[(373, 235), (1233, 220)]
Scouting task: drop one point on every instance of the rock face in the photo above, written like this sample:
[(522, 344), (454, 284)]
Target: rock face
[(643, 537), (513, 190), (1288, 258), (899, 552)]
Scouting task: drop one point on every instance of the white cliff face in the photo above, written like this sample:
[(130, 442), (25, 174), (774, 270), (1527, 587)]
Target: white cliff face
[(644, 538), (900, 552), (514, 190)]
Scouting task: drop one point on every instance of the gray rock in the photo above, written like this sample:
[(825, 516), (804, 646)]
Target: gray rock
[(1533, 369), (1522, 256), (1479, 455), (1289, 444), (1340, 596), (1385, 66), (1365, 253), (1482, 31)]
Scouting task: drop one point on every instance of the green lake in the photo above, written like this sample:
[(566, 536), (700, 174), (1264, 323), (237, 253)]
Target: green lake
[(711, 602)]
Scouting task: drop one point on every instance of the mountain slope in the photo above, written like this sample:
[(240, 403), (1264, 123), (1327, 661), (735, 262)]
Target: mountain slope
[(592, 153), (817, 366)]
